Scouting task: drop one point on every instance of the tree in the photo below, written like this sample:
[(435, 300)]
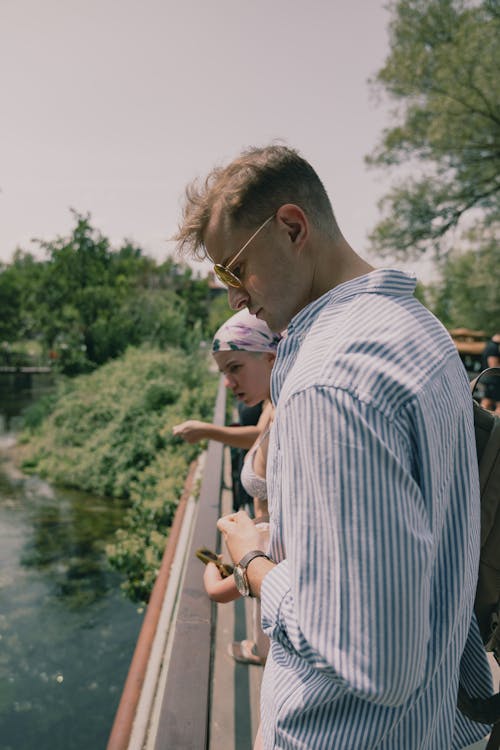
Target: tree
[(19, 282), (84, 289), (442, 71), (193, 291), (87, 302), (220, 311), (467, 294), (10, 304)]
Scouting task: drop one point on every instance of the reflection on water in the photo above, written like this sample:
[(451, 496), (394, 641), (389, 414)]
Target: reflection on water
[(65, 546), (66, 632)]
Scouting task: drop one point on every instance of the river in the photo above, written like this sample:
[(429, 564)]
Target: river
[(67, 633)]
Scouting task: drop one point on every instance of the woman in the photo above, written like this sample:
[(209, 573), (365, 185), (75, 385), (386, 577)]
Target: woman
[(244, 349)]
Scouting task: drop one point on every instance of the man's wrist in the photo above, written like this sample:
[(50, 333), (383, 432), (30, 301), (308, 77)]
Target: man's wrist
[(257, 569)]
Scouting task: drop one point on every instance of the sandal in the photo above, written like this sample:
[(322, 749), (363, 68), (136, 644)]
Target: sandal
[(243, 652)]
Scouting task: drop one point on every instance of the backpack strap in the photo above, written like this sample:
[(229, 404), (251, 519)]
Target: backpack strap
[(482, 710), (488, 371), (487, 605), (494, 740)]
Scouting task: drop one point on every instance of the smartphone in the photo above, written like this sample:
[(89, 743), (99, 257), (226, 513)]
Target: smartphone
[(206, 556)]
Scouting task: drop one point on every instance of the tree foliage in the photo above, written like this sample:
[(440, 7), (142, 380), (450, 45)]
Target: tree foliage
[(18, 308), (467, 294), (442, 71), (86, 302)]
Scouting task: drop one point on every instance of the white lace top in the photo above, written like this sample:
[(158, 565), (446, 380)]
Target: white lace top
[(255, 485)]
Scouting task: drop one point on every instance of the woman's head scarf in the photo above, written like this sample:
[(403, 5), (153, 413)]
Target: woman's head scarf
[(246, 333)]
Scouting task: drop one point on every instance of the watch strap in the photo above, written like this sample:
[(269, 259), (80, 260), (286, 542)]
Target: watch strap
[(247, 559)]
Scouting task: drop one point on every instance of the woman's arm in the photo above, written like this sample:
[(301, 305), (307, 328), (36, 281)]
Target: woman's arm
[(219, 589), (236, 436)]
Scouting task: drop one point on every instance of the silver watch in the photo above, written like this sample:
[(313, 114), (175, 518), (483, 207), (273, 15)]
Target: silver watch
[(240, 571)]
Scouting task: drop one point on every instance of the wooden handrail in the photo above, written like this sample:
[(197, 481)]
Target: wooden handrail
[(185, 706), (124, 718)]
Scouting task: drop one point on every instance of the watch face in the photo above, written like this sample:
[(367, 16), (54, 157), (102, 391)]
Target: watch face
[(241, 580)]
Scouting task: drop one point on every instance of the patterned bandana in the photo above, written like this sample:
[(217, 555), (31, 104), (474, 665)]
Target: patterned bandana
[(246, 333)]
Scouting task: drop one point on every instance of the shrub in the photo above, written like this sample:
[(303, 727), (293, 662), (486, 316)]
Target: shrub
[(110, 433)]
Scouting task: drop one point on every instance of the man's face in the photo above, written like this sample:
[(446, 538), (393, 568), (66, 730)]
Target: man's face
[(273, 286)]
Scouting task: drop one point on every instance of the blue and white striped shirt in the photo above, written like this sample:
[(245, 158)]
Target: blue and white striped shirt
[(374, 503)]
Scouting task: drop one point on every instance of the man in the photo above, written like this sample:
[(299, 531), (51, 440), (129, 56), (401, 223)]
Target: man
[(368, 589), (491, 383)]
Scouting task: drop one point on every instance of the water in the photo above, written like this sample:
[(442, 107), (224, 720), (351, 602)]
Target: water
[(67, 634)]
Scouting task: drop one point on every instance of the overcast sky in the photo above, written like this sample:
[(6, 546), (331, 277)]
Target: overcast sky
[(112, 106)]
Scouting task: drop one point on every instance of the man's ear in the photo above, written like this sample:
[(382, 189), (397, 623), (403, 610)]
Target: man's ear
[(294, 220)]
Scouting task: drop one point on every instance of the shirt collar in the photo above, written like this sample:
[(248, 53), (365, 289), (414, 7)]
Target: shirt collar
[(388, 281)]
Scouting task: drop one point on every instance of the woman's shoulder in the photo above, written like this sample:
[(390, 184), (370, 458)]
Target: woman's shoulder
[(266, 416)]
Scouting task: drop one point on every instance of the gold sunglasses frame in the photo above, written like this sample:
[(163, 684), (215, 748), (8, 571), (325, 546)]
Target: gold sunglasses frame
[(227, 277)]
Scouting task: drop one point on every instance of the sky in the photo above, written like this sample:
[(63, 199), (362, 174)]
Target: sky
[(112, 106)]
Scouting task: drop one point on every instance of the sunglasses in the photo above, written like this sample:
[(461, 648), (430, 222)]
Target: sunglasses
[(223, 273)]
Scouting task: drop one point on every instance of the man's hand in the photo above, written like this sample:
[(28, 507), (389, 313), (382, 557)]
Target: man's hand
[(191, 431), (240, 534)]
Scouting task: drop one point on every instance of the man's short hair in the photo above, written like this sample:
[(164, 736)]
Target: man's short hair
[(251, 188)]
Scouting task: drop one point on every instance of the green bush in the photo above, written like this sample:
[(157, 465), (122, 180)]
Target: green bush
[(110, 433), (34, 414)]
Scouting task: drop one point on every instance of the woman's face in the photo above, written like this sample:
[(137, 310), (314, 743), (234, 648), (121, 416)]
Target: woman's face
[(247, 374)]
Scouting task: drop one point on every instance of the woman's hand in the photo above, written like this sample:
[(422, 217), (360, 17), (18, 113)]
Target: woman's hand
[(192, 431), (218, 588)]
